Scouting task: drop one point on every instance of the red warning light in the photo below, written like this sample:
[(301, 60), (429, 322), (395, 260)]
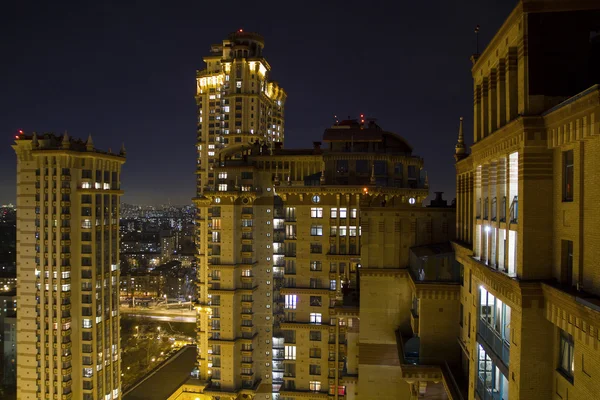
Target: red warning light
[(241, 30), (16, 136), (20, 131)]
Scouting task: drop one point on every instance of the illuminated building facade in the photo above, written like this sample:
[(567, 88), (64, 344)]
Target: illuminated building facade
[(527, 208), (236, 101), (292, 239), (67, 268)]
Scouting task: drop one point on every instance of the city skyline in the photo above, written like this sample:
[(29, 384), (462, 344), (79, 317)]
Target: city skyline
[(121, 78)]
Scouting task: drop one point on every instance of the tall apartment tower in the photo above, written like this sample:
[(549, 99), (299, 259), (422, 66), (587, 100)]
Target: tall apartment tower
[(527, 208), (67, 268), (237, 103), (237, 106)]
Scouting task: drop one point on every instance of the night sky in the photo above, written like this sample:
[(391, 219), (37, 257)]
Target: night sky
[(124, 71)]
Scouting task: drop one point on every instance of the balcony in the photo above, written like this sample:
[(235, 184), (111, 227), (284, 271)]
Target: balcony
[(494, 341), (434, 264)]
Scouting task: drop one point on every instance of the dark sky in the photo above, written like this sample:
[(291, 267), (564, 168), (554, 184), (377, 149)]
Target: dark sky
[(125, 72)]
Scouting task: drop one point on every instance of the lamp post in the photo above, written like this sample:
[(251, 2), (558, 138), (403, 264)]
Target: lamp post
[(190, 297), (166, 302)]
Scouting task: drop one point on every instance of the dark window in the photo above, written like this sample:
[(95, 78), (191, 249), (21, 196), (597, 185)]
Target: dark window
[(568, 175), (315, 301), (566, 270)]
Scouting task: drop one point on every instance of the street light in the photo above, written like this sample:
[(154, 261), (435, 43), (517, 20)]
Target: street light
[(137, 331)]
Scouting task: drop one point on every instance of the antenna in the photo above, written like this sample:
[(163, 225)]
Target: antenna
[(477, 39)]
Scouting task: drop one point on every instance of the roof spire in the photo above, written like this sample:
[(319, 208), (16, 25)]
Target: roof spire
[(34, 141), (89, 145), (65, 142), (123, 152), (460, 151)]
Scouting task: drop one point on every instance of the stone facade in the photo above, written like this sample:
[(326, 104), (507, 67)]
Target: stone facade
[(527, 208)]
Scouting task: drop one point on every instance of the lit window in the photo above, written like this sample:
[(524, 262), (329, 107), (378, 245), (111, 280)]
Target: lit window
[(332, 284), (222, 175), (566, 362), (315, 318), (87, 323), (333, 213), (333, 230), (316, 199), (211, 146), (290, 301), (342, 230), (86, 185), (316, 266), (226, 109), (352, 231), (222, 187), (353, 213), (316, 212), (211, 153), (315, 386), (316, 230), (238, 84), (217, 200), (343, 212), (211, 97), (290, 352)]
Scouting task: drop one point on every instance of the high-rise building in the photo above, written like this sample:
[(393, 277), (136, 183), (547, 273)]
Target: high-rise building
[(290, 241), (237, 102), (527, 208), (67, 269)]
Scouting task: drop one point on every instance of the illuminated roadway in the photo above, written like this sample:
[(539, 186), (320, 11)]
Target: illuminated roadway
[(160, 384), (171, 315)]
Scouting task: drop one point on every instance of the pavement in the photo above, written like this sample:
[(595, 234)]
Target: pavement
[(162, 382)]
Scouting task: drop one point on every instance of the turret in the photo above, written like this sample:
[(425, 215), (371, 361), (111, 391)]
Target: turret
[(460, 150), (89, 145)]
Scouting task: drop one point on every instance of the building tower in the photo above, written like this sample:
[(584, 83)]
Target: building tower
[(237, 103), (238, 107), (67, 268)]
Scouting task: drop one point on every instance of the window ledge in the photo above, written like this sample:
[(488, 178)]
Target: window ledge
[(565, 375)]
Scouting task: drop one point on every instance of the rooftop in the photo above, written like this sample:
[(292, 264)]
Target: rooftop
[(51, 141)]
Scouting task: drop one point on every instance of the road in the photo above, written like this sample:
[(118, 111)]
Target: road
[(181, 315), (166, 379)]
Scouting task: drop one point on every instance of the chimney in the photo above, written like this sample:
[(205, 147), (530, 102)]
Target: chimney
[(317, 145)]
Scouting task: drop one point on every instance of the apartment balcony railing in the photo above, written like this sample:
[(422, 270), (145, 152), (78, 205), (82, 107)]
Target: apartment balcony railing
[(494, 209), (423, 271), (487, 393), (494, 341), (514, 211)]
